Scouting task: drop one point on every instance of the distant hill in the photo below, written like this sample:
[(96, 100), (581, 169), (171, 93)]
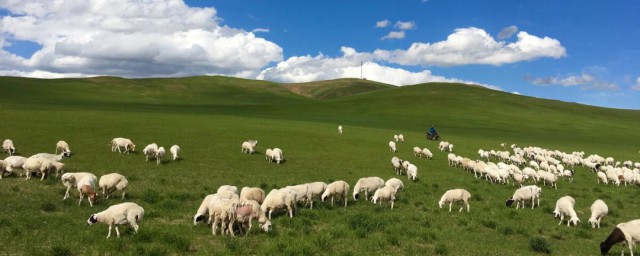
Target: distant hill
[(331, 89)]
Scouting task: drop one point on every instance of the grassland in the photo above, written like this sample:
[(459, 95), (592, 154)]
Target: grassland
[(209, 117)]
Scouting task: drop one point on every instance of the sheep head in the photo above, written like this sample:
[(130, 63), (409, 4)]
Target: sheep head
[(92, 219), (509, 202)]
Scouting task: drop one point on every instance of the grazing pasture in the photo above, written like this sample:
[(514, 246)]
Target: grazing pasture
[(210, 117)]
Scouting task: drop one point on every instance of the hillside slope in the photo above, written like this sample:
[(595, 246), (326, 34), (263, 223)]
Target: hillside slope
[(336, 88)]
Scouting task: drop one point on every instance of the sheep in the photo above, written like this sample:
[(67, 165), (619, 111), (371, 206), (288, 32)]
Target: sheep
[(57, 167), (159, 154), (396, 184), (243, 212), (531, 192), (203, 210), (118, 143), (112, 182), (450, 147), (602, 178), (396, 138), (315, 191), (3, 166), (53, 157), (336, 188), (219, 212), (417, 151), (277, 199), (62, 146), (278, 156), (451, 159), (412, 172), (368, 184), (392, 147), (628, 232), (37, 164), (454, 195), (568, 174), (386, 193), (232, 189), (564, 206), (340, 129), (551, 178), (175, 149), (249, 146), (301, 192), (401, 138), (519, 178), (443, 145), (150, 151), (556, 211), (71, 179), (124, 213), (268, 154), (7, 147), (256, 194), (397, 164), (427, 153), (598, 211), (87, 185), (12, 162)]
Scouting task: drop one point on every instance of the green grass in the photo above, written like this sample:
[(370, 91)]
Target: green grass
[(209, 117)]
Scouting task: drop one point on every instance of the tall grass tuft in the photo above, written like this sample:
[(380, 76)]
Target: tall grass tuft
[(539, 244)]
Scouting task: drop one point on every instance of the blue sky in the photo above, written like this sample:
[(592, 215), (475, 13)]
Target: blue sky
[(574, 51)]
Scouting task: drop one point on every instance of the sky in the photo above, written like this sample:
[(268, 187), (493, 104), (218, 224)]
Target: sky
[(574, 51)]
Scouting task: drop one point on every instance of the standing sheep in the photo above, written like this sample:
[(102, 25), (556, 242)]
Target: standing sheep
[(277, 199), (150, 151), (628, 232), (256, 194), (336, 188), (401, 138), (124, 213), (564, 207), (340, 129), (412, 172), (244, 212), (386, 193), (159, 155), (113, 182), (427, 153), (454, 195), (315, 190), (7, 146), (12, 162), (368, 184), (87, 185), (598, 211), (392, 146), (175, 149), (531, 192), (70, 180), (229, 188), (62, 146), (249, 146), (396, 184), (119, 143), (268, 154), (278, 156)]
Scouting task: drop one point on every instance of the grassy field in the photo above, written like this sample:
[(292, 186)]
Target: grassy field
[(209, 117)]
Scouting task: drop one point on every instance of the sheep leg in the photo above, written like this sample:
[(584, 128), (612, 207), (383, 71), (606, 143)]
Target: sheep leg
[(467, 206), (117, 231), (392, 205), (290, 211), (214, 226), (450, 203), (109, 234), (66, 194), (562, 218), (81, 197)]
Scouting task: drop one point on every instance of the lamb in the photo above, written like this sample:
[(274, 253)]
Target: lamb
[(392, 146), (369, 184), (150, 151), (112, 182), (7, 146), (124, 213), (277, 199), (232, 189), (412, 172), (628, 232), (118, 143), (396, 184), (598, 211), (564, 206), (62, 146), (243, 212), (386, 193), (454, 195), (531, 192), (278, 156), (175, 149), (249, 146), (87, 185), (336, 188), (340, 129), (71, 179), (159, 154), (427, 153), (256, 194), (315, 191)]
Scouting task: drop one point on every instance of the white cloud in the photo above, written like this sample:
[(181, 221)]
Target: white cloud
[(130, 38), (402, 25), (394, 35), (382, 23), (507, 32), (586, 81), (308, 68), (636, 87), (516, 93), (260, 30), (475, 46)]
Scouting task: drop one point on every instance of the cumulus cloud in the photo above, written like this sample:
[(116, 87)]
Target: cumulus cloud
[(315, 68), (130, 38), (394, 35), (584, 81), (405, 25), (475, 46), (636, 87), (507, 32), (382, 23)]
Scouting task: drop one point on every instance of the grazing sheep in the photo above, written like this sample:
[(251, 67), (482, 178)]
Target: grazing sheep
[(315, 191), (256, 194), (412, 172), (219, 212), (443, 145), (62, 146), (396, 138), (386, 193), (249, 146), (53, 157), (368, 184), (37, 164), (119, 143), (454, 195), (417, 151), (340, 129), (87, 185), (392, 146), (124, 213), (427, 153), (336, 188), (71, 179), (301, 192), (12, 162), (564, 206), (57, 167), (243, 213), (450, 147), (150, 151), (112, 182), (401, 138), (551, 178), (277, 199), (628, 232), (531, 192), (175, 149), (232, 189), (556, 211), (598, 211), (159, 155), (602, 178), (278, 156), (7, 147), (395, 183), (268, 154), (203, 210), (397, 164)]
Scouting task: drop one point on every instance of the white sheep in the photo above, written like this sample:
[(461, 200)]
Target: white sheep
[(417, 151), (53, 157), (277, 199), (368, 184), (412, 172), (255, 193), (119, 214), (315, 191), (57, 168), (159, 155), (119, 143), (396, 184), (386, 193), (340, 129), (113, 182), (397, 164), (396, 138), (278, 156), (556, 211), (62, 146), (13, 162), (203, 210), (268, 154), (602, 178), (531, 192), (450, 147), (229, 188), (551, 178), (598, 211), (219, 212), (336, 188), (401, 138), (628, 232), (443, 145), (37, 164), (7, 147), (454, 195), (564, 207), (427, 153), (175, 149), (150, 151), (301, 192), (392, 146), (243, 212), (70, 180), (87, 185), (249, 146)]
